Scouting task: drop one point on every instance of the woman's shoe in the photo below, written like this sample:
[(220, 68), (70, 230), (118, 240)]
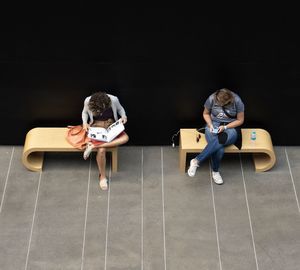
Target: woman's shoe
[(89, 148), (193, 167), (103, 184), (217, 178)]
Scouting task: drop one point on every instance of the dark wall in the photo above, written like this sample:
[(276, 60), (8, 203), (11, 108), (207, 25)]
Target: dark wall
[(161, 63)]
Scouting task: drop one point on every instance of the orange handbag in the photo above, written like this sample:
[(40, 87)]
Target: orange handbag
[(77, 136)]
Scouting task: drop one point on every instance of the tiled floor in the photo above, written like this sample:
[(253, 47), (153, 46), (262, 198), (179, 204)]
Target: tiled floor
[(152, 217)]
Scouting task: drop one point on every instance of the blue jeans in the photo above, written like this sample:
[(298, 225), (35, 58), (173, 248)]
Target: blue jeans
[(214, 149)]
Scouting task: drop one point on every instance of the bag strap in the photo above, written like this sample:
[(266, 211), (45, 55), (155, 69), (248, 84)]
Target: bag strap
[(223, 108), (74, 130), (227, 114)]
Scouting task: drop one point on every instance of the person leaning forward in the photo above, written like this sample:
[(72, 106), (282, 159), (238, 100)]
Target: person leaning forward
[(224, 114), (101, 110)]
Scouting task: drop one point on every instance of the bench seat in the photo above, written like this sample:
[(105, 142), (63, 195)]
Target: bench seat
[(51, 139), (262, 148)]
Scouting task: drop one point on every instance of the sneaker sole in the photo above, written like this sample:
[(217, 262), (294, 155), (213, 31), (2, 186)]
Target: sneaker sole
[(218, 183), (191, 175)]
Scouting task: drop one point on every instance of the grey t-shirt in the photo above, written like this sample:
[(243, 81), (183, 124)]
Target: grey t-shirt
[(216, 112)]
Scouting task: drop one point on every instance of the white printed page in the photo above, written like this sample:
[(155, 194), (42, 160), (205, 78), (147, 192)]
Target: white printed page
[(106, 135), (114, 130), (98, 133)]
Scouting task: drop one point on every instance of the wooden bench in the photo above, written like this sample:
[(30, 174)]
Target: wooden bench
[(44, 139), (262, 148)]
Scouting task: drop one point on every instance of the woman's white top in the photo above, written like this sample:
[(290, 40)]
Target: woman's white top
[(117, 109)]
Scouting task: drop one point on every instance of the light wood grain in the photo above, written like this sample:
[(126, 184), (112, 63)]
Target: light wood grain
[(51, 139), (262, 148)]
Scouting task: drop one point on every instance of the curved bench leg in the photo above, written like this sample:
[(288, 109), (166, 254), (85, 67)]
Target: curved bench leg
[(263, 161), (33, 161)]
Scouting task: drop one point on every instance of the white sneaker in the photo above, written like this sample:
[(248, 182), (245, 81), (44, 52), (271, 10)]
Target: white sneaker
[(217, 178), (193, 167)]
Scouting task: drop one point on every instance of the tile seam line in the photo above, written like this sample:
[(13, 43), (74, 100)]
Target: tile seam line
[(215, 217), (6, 179), (249, 213), (86, 214), (142, 209), (33, 221), (292, 178), (163, 207), (107, 218)]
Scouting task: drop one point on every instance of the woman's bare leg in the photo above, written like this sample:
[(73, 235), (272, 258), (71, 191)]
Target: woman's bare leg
[(118, 141), (101, 162), (101, 158)]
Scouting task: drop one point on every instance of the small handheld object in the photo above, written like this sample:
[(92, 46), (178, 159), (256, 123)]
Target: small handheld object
[(215, 130)]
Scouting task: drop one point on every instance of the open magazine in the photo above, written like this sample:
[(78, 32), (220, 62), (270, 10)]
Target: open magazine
[(106, 134)]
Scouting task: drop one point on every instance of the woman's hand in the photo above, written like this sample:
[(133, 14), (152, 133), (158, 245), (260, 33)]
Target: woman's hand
[(220, 129), (211, 128), (214, 130), (86, 127), (124, 119)]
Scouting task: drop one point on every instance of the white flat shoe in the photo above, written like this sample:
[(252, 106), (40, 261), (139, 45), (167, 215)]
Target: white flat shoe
[(103, 184), (88, 150)]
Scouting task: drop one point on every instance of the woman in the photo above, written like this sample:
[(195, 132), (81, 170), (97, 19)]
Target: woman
[(223, 114), (102, 110)]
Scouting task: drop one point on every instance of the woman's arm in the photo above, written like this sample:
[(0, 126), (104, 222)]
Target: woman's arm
[(85, 114), (238, 122), (207, 118), (120, 110)]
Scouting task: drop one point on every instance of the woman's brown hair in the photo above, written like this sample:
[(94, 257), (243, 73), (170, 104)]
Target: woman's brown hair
[(99, 102), (224, 97)]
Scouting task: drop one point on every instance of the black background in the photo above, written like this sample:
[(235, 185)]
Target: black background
[(162, 63)]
